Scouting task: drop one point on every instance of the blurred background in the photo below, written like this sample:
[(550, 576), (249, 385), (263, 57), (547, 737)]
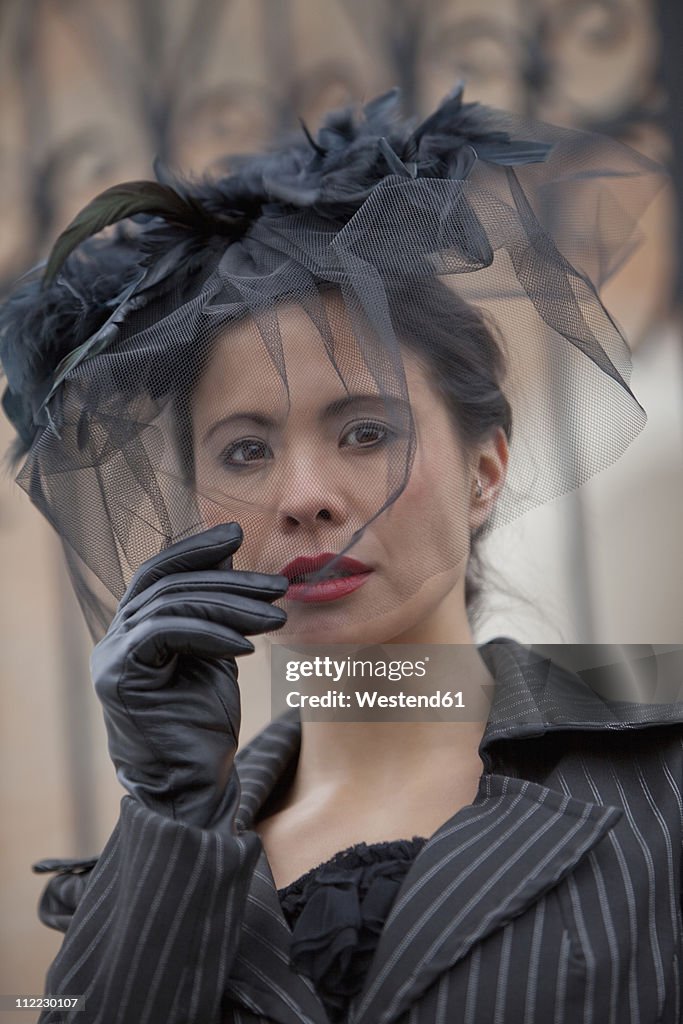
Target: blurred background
[(91, 92)]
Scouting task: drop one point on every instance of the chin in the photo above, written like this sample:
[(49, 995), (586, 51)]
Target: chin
[(357, 629), (340, 633)]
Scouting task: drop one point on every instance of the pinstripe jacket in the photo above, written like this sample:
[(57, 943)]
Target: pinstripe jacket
[(554, 897)]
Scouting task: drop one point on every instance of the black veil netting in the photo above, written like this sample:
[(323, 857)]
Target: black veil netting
[(257, 347)]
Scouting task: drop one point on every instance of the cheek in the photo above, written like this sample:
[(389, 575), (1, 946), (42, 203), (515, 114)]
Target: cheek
[(258, 526), (436, 492), (426, 531)]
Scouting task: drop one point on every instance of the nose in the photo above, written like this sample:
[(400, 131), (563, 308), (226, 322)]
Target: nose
[(303, 517), (309, 498)]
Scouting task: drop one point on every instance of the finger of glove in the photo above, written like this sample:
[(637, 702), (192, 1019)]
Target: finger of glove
[(155, 640), (201, 551), (243, 614), (260, 586)]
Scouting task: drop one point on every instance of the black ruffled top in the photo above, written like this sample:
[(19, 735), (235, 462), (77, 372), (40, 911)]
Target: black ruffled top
[(337, 912)]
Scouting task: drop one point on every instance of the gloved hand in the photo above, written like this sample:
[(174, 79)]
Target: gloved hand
[(166, 675)]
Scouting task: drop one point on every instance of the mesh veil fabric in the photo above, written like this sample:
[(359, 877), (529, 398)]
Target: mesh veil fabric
[(302, 366)]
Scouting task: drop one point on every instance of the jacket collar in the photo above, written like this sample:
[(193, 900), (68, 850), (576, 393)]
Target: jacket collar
[(492, 859), (535, 694)]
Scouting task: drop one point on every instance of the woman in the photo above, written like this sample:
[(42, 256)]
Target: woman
[(290, 402)]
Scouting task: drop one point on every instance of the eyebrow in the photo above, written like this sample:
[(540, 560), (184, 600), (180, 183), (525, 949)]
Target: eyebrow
[(333, 409)]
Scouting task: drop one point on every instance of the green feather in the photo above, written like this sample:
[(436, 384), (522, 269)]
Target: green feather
[(119, 202)]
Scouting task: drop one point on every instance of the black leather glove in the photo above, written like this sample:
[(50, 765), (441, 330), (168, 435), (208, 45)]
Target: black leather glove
[(166, 675)]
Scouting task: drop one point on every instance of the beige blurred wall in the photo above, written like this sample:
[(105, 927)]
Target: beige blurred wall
[(48, 710)]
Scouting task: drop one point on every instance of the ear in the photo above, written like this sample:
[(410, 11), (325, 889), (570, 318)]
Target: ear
[(489, 468)]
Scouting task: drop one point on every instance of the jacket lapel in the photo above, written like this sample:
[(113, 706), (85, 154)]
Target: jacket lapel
[(484, 866), (261, 978), (262, 763)]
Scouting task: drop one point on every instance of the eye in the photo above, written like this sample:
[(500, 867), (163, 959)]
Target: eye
[(247, 451), (368, 434)]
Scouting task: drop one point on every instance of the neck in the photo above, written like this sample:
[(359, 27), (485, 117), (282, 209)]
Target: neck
[(375, 760)]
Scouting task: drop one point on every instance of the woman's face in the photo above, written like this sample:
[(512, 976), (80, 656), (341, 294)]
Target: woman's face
[(303, 467)]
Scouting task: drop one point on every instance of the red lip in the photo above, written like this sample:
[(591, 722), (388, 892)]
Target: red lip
[(304, 565)]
